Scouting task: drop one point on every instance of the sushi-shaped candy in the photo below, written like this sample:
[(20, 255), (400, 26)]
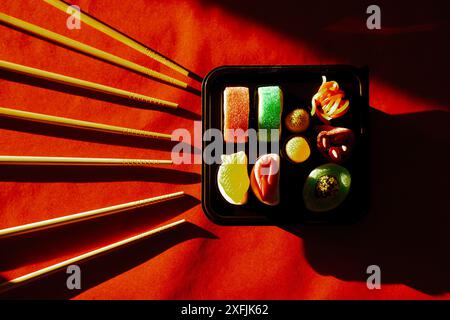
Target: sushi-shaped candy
[(329, 103), (297, 149), (336, 144), (232, 178), (265, 179), (326, 187), (236, 106), (270, 106), (297, 120)]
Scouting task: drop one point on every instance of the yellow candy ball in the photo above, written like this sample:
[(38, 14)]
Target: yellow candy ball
[(297, 149)]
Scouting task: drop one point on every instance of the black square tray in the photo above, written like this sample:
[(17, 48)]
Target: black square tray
[(299, 84)]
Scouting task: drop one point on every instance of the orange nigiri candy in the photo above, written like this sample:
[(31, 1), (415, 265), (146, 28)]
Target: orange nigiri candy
[(236, 107)]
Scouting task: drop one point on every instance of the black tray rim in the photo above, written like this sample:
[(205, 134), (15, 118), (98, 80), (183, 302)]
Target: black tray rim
[(362, 73)]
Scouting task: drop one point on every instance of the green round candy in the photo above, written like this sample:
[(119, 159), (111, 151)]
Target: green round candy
[(326, 187)]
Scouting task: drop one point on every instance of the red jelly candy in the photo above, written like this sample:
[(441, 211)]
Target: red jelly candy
[(336, 144)]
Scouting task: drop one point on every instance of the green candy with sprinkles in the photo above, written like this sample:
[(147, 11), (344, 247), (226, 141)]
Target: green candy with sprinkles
[(326, 187), (270, 107)]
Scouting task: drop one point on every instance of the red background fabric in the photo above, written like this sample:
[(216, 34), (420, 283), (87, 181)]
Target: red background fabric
[(405, 232)]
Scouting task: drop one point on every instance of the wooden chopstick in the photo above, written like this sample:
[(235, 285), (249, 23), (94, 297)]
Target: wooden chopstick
[(76, 161), (67, 122), (94, 23), (91, 254), (53, 36), (87, 215), (55, 77)]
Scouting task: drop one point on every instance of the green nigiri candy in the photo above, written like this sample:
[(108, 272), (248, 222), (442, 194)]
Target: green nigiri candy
[(270, 106)]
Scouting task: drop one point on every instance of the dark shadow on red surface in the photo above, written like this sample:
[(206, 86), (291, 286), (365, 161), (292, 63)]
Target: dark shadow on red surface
[(81, 236), (185, 113), (108, 266), (406, 231), (25, 173), (408, 52), (85, 135), (42, 83)]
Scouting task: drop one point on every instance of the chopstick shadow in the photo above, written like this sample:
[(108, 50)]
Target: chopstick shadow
[(47, 173), (108, 266), (52, 130), (76, 237), (47, 84), (406, 230), (185, 113)]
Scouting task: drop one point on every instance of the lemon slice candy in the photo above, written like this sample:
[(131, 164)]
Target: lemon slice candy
[(232, 178)]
